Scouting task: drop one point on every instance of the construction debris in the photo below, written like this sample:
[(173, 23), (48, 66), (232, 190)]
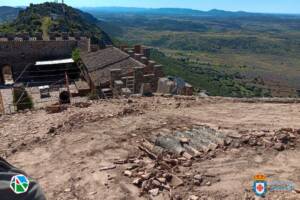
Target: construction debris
[(55, 108), (180, 149), (82, 104), (107, 167)]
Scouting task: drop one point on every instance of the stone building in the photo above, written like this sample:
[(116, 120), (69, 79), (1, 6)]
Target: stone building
[(108, 71), (113, 71)]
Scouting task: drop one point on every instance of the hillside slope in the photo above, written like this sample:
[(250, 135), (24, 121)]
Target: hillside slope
[(53, 17), (8, 13)]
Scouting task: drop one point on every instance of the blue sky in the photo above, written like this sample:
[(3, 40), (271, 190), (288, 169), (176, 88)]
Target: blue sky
[(270, 6)]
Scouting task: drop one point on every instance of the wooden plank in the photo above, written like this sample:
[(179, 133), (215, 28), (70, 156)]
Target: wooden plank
[(2, 111)]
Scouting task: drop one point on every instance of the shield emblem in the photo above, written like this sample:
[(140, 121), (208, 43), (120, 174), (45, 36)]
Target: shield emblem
[(260, 188)]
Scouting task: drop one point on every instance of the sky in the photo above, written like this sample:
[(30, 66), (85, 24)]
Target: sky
[(266, 6)]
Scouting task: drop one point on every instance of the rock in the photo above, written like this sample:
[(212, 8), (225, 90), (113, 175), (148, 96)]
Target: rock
[(259, 143), (156, 183), (181, 159), (189, 163), (208, 183), (227, 141), (236, 144), (51, 130), (92, 193), (246, 139), (120, 161), (176, 182), (260, 134), (297, 190), (167, 187), (14, 150), (235, 135), (145, 185), (178, 104), (146, 176), (282, 137), (287, 129), (297, 131), (168, 177), (197, 182), (68, 190), (193, 197), (198, 177), (252, 141), (184, 140), (131, 167), (176, 197), (162, 180), (154, 192), (127, 173), (137, 182), (292, 136), (107, 167), (279, 146)]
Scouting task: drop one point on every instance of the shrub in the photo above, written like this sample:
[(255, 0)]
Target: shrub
[(76, 55), (21, 98)]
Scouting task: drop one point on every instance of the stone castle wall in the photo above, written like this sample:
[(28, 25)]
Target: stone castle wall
[(18, 54)]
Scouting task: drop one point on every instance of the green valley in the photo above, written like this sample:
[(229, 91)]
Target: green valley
[(258, 53)]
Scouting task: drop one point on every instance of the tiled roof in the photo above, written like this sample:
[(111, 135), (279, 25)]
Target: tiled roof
[(100, 63)]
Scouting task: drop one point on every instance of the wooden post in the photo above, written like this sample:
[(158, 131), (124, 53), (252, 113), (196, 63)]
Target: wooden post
[(2, 111), (67, 85)]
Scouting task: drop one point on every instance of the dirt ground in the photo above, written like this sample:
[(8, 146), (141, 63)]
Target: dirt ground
[(74, 154)]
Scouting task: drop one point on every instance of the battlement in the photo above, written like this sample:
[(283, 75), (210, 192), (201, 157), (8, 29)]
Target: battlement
[(53, 36)]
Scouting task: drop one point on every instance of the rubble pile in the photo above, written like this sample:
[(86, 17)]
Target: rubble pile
[(82, 104), (56, 108), (160, 175), (279, 140), (158, 169)]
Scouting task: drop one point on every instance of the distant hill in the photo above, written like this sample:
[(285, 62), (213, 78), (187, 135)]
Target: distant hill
[(8, 13), (225, 53), (177, 11), (54, 17)]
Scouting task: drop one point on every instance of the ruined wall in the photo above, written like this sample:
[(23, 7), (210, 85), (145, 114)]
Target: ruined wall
[(18, 54)]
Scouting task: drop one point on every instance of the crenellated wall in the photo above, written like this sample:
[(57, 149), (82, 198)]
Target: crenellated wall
[(19, 54)]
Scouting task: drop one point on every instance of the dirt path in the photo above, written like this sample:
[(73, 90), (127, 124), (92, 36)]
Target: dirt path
[(74, 146)]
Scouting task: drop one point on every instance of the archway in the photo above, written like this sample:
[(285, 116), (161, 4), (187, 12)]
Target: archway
[(7, 76)]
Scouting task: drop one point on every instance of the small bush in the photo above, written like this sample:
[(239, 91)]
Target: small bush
[(21, 99), (76, 55)]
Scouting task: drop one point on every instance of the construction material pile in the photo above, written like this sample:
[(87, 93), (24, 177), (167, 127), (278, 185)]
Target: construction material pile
[(279, 140), (158, 170)]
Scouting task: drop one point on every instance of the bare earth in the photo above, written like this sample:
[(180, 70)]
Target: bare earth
[(68, 152)]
